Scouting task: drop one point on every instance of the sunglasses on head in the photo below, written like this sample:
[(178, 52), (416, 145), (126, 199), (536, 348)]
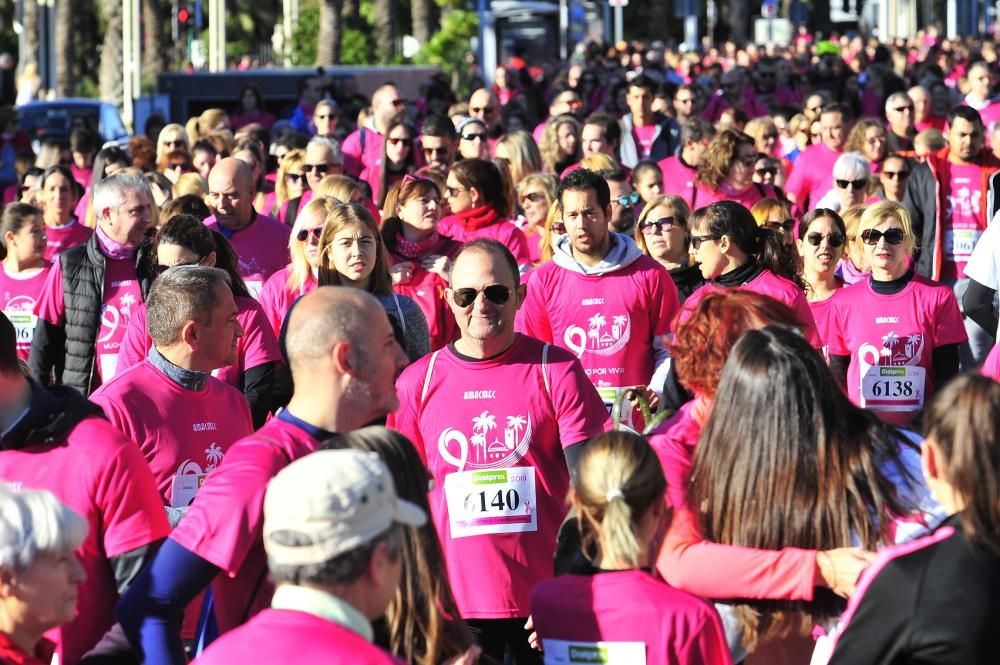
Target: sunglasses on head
[(318, 168), (629, 199), (892, 236), (497, 294), (312, 235), (785, 225), (657, 225), (835, 239), (856, 184)]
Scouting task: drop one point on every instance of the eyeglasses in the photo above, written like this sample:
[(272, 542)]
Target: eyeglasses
[(435, 151), (785, 225), (657, 226), (892, 175), (856, 184), (770, 170), (474, 137), (400, 141), (534, 197), (295, 177), (628, 199), (497, 294), (180, 166), (310, 235), (399, 102), (892, 236), (318, 168), (697, 240), (452, 192), (835, 239)]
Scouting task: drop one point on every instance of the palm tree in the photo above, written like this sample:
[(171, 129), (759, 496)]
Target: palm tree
[(385, 29), (154, 47), (29, 24), (65, 12), (330, 32), (423, 14), (112, 61), (618, 325)]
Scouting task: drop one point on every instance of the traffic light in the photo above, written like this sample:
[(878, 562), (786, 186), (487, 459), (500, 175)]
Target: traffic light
[(181, 19)]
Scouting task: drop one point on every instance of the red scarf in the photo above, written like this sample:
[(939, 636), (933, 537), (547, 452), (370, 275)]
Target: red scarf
[(474, 219), (418, 248)]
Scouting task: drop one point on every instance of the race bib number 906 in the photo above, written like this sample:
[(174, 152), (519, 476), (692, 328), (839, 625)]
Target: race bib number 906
[(491, 501)]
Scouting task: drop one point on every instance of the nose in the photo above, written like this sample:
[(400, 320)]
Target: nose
[(78, 574), (401, 359), (239, 332)]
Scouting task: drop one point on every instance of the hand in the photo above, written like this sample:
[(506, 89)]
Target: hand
[(470, 657), (437, 264), (652, 399), (402, 272), (840, 569), (533, 640)]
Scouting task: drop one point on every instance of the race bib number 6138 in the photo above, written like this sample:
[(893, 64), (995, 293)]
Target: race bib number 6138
[(491, 501)]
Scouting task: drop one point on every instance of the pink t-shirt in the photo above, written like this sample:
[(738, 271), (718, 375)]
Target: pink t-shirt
[(890, 339), (357, 157), (122, 297), (990, 116), (276, 298), (823, 312), (644, 137), (18, 297), (812, 175), (704, 196), (427, 290), (678, 179), (257, 346), (283, 212), (504, 232), (262, 249), (65, 236), (991, 366), (225, 525), (674, 442), (493, 434), (629, 614), (102, 476), (283, 636), (963, 222), (608, 321), (183, 434), (768, 284)]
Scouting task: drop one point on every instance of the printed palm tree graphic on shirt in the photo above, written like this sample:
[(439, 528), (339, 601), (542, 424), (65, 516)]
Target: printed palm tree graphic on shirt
[(487, 454), (896, 351), (213, 455), (597, 338), (112, 317), (125, 304)]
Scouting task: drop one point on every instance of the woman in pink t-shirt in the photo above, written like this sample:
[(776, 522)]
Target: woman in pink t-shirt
[(560, 144), (419, 256), (618, 491), (537, 192), (399, 157), (821, 245), (896, 334), (725, 172), (24, 269)]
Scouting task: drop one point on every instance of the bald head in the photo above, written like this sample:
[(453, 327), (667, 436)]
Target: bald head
[(230, 193), (386, 105), (235, 170), (483, 104), (328, 316)]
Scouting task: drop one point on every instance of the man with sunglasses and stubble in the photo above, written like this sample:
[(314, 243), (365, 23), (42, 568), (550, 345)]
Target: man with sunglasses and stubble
[(438, 142), (260, 241), (812, 175), (323, 157), (363, 146), (601, 297), (501, 419), (623, 201)]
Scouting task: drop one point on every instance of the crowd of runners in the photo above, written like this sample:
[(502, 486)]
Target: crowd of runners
[(655, 357)]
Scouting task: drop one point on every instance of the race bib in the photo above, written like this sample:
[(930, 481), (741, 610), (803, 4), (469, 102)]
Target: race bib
[(481, 503), (109, 365), (24, 325), (959, 243), (894, 388), (631, 416), (561, 652), (254, 286), (185, 488)]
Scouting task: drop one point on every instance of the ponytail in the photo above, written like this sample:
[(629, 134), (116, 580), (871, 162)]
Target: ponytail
[(771, 253), (618, 479)]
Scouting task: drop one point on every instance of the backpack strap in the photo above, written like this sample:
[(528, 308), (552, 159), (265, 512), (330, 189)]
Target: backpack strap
[(545, 376), (427, 377)]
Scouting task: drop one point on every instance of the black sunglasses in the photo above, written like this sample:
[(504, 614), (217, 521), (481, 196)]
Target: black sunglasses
[(766, 171), (892, 236), (295, 177), (473, 137), (497, 294), (857, 184), (786, 225), (697, 240), (657, 226), (312, 235), (835, 239), (892, 175), (318, 168)]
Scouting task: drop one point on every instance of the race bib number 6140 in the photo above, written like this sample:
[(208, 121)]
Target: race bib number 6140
[(491, 501)]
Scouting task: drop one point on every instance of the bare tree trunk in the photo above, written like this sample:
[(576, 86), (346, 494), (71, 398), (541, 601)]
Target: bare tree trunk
[(30, 26), (154, 28), (112, 58), (385, 25), (352, 14), (330, 31), (423, 13), (64, 47)]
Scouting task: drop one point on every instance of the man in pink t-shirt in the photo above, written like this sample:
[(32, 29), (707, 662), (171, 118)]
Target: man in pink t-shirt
[(363, 146), (344, 361), (812, 175), (183, 419), (601, 298), (53, 439), (260, 242), (333, 531), (500, 418), (679, 172)]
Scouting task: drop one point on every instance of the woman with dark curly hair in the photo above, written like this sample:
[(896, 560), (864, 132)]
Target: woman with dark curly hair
[(725, 172)]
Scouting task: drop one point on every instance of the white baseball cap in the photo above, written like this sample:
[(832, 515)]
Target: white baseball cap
[(330, 502)]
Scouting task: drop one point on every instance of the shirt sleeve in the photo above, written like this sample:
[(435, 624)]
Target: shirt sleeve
[(405, 419), (837, 342), (352, 154), (533, 317), (259, 344), (949, 327), (580, 411), (50, 305), (984, 264), (796, 186), (135, 341), (272, 301), (707, 643)]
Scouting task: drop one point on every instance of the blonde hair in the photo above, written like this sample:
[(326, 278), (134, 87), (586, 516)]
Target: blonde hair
[(170, 131), (877, 213), (546, 247), (618, 479), (549, 145), (293, 158), (852, 217), (548, 182), (340, 187), (679, 210), (599, 161), (931, 139), (763, 209), (756, 127), (300, 270), (522, 155), (191, 183), (202, 126)]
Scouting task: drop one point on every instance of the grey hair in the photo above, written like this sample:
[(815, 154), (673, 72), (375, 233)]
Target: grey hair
[(182, 294), (342, 569), (333, 145), (696, 129), (896, 98), (110, 192), (34, 522), (310, 338), (851, 165)]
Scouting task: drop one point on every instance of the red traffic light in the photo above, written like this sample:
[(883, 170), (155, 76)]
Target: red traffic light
[(183, 15)]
